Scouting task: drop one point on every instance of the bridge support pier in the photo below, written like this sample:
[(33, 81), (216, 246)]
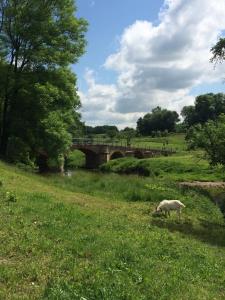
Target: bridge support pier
[(94, 161), (103, 158)]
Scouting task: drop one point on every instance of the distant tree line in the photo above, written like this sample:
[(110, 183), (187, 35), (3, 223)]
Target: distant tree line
[(161, 121), (104, 129)]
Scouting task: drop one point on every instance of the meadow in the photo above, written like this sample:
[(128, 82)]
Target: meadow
[(93, 236), (174, 141)]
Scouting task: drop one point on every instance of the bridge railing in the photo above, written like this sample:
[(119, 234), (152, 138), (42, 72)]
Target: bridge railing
[(96, 141), (122, 144)]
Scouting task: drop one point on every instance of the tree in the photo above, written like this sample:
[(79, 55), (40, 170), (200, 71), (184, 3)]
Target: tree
[(128, 134), (158, 120), (206, 107), (39, 99), (211, 138), (218, 51)]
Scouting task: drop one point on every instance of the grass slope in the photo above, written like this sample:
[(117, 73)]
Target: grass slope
[(60, 242), (187, 166)]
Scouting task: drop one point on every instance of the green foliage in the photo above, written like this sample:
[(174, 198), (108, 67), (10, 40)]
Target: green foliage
[(180, 128), (128, 134), (55, 36), (57, 138), (179, 167), (39, 100), (128, 166), (75, 159), (211, 138), (218, 51), (104, 129), (158, 120), (18, 151), (206, 107)]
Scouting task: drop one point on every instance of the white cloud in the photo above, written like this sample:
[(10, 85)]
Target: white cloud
[(158, 65), (98, 104), (99, 97)]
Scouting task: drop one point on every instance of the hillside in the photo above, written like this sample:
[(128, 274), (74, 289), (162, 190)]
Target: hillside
[(93, 237)]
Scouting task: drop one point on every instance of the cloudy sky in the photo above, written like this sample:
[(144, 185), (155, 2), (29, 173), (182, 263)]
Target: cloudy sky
[(144, 53)]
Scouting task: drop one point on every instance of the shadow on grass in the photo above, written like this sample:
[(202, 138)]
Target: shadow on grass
[(207, 232)]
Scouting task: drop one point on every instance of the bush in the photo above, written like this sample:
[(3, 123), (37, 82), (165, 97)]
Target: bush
[(128, 166), (18, 152), (27, 167), (76, 159)]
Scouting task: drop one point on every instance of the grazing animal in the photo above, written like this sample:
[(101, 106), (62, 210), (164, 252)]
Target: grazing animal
[(167, 205)]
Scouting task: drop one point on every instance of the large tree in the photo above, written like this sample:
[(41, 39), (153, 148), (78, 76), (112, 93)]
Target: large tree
[(39, 40), (158, 120), (206, 107)]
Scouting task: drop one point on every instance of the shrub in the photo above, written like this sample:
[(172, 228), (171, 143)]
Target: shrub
[(18, 151), (27, 167), (128, 166), (76, 159)]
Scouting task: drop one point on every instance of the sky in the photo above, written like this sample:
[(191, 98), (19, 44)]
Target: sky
[(147, 53)]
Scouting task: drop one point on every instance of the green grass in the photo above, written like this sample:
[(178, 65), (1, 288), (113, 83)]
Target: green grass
[(174, 141), (180, 167), (84, 238)]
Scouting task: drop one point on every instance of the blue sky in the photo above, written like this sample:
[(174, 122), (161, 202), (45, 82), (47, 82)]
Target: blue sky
[(107, 20), (144, 53)]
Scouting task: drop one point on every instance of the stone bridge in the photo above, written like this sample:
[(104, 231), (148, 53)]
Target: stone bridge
[(97, 154)]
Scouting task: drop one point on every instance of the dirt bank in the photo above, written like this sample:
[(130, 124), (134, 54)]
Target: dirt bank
[(204, 184)]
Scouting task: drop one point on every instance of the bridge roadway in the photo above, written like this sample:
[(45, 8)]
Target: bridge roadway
[(97, 153)]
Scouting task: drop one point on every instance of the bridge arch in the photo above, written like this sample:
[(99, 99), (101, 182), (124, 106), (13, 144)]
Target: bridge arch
[(138, 154), (116, 154), (91, 158)]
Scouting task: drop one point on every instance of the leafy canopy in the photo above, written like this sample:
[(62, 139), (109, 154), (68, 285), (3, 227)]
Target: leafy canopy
[(39, 39), (211, 138), (206, 107), (158, 120)]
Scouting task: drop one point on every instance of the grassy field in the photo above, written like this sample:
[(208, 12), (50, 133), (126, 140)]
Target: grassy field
[(174, 141), (93, 237)]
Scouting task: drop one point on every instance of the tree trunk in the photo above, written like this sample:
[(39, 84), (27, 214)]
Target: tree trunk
[(42, 162), (4, 128)]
